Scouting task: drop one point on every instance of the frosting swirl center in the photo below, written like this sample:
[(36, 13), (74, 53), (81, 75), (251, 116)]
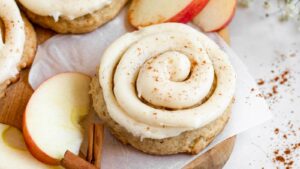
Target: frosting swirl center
[(174, 80)]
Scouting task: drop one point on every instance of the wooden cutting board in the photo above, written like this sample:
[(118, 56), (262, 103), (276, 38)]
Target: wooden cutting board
[(17, 95)]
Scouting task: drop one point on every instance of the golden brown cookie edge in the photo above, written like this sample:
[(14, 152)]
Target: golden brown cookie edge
[(84, 24), (190, 142)]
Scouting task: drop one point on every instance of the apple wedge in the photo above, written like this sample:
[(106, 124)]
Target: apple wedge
[(51, 119), (147, 12), (224, 33), (216, 15), (14, 153)]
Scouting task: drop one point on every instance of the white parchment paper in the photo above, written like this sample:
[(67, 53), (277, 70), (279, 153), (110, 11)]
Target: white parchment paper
[(82, 53)]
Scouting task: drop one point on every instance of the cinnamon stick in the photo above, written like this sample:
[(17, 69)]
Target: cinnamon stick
[(71, 161), (90, 150), (98, 142)]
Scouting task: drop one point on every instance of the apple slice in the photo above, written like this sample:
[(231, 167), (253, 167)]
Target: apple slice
[(216, 15), (52, 116), (14, 153), (147, 12), (224, 33)]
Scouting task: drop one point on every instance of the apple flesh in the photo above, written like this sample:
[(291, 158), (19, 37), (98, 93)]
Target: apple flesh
[(148, 12), (216, 15), (14, 153), (52, 116), (224, 33)]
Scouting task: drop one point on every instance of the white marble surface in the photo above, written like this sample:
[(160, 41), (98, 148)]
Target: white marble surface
[(266, 45)]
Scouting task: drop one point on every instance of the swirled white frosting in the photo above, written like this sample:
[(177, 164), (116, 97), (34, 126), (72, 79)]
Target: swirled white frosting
[(156, 80), (12, 48), (70, 9)]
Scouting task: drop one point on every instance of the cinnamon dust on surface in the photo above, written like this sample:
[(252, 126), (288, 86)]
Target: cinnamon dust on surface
[(274, 83), (286, 158)]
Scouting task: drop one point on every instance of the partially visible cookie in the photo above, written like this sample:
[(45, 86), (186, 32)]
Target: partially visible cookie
[(29, 51), (30, 44), (191, 142), (86, 23)]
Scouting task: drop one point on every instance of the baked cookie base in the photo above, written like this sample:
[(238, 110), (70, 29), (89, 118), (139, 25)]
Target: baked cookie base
[(30, 47), (191, 142), (82, 24)]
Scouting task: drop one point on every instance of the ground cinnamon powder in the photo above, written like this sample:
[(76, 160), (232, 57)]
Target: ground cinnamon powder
[(274, 83), (260, 82), (276, 131), (286, 152), (280, 159), (286, 158)]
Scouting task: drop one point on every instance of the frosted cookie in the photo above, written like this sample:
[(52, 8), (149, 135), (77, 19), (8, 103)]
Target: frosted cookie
[(71, 16), (164, 89), (17, 43)]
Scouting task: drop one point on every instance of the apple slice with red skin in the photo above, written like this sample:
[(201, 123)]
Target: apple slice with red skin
[(216, 15), (148, 12), (51, 119)]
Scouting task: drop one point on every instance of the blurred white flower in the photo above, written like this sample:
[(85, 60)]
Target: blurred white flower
[(244, 3), (288, 10)]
